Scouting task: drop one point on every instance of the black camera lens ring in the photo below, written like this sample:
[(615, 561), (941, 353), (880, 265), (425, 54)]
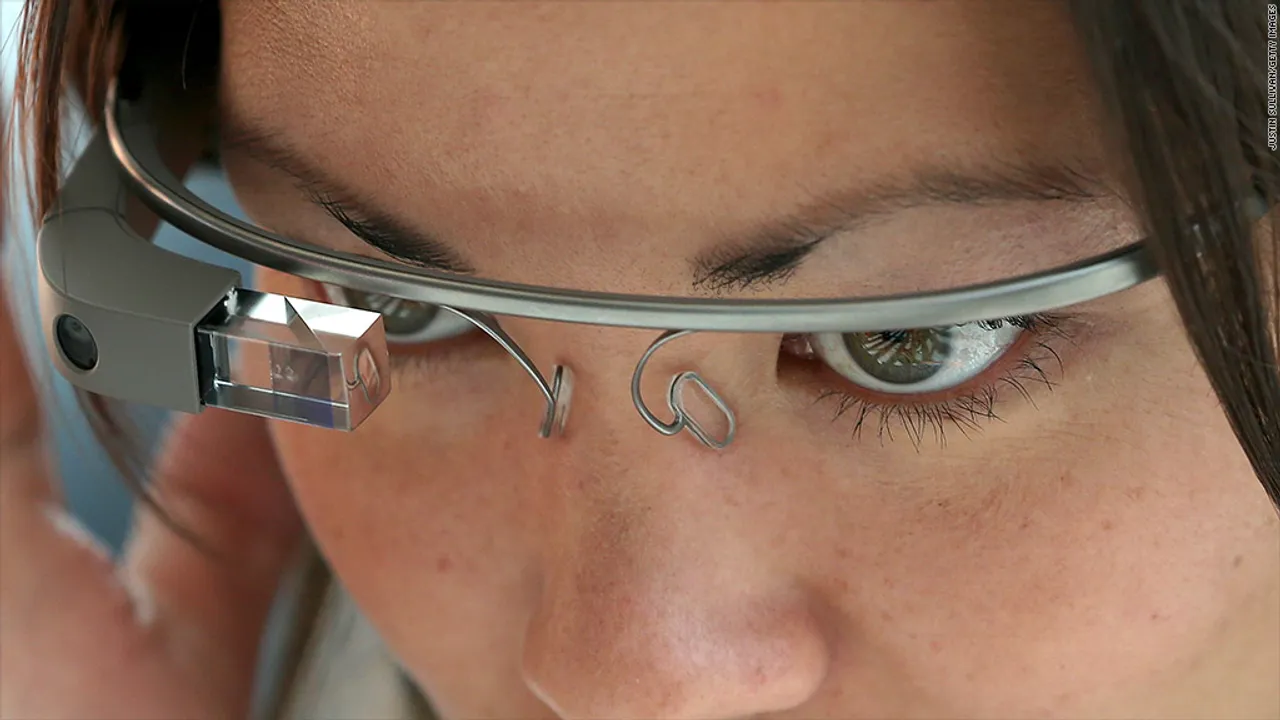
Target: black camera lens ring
[(76, 342)]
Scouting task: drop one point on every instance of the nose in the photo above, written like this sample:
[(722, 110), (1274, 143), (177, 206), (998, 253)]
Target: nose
[(668, 636), (657, 608), (661, 593), (620, 643)]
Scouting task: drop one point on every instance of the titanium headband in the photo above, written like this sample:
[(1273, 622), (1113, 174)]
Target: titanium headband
[(126, 319), (133, 143)]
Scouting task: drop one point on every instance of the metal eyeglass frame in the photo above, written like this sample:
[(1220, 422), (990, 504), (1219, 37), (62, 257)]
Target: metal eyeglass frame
[(146, 277)]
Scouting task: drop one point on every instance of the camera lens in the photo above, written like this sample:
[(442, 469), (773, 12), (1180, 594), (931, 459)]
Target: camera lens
[(76, 342)]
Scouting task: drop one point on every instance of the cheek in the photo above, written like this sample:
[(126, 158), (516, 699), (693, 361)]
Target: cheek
[(1110, 568), (389, 494), (424, 491), (432, 538)]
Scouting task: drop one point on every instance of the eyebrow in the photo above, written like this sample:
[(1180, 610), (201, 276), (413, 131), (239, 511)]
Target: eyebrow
[(361, 217), (772, 253), (763, 257)]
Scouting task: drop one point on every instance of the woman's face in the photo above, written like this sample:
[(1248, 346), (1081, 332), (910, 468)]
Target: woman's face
[(1071, 532)]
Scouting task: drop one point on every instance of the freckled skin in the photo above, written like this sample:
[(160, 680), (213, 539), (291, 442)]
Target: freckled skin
[(1106, 552)]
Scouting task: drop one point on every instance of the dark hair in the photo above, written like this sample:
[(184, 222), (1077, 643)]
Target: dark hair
[(1187, 85), (1185, 82)]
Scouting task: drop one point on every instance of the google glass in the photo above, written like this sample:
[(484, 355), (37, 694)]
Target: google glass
[(129, 320)]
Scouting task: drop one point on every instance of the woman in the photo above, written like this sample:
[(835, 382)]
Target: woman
[(1071, 525)]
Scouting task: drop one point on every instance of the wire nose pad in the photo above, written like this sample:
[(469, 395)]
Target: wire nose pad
[(559, 403), (716, 410), (720, 427)]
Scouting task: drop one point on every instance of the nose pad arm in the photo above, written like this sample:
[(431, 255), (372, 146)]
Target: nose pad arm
[(559, 392)]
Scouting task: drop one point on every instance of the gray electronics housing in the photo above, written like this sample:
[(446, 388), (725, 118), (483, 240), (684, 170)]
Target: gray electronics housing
[(141, 303)]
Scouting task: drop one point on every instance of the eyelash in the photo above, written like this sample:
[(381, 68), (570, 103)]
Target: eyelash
[(965, 407)]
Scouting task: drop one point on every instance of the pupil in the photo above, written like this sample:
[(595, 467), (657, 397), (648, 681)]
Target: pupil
[(901, 357)]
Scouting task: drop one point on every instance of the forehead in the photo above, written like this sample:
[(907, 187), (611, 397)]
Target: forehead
[(808, 81), (516, 118)]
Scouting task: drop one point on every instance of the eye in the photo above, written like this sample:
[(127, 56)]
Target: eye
[(915, 362), (407, 322)]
